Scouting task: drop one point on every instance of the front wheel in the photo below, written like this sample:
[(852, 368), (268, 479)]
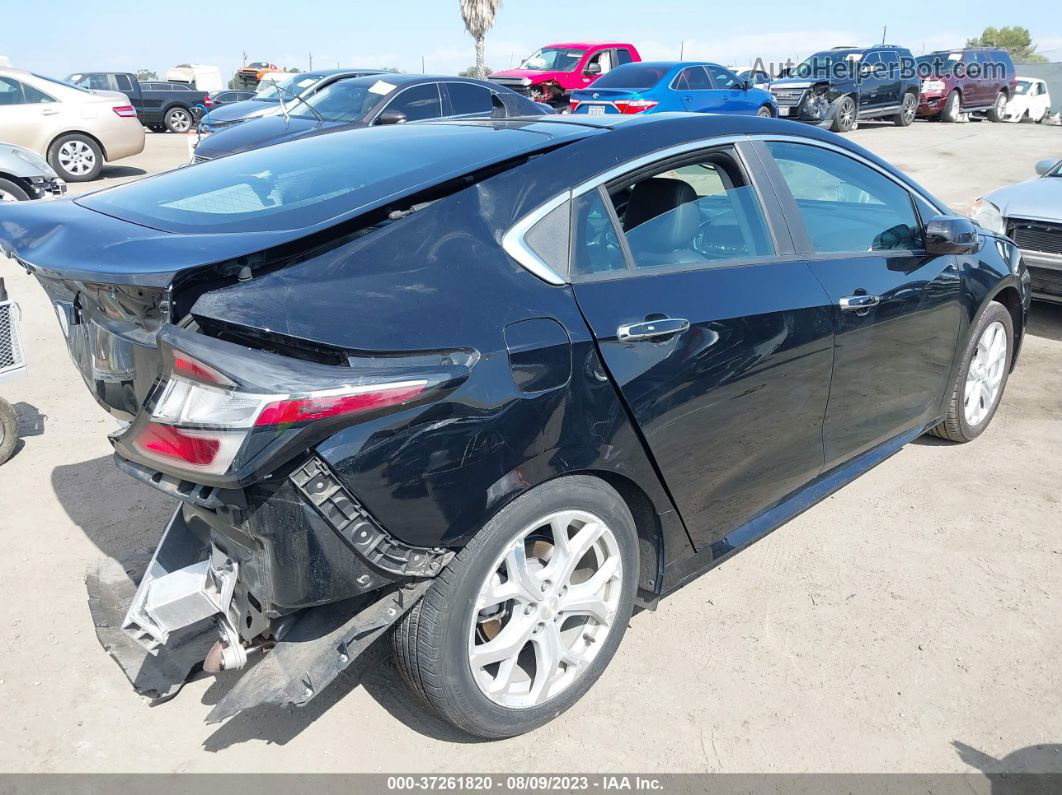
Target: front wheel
[(527, 616), (765, 112), (907, 111), (998, 111), (12, 191), (845, 118), (952, 108), (982, 377), (179, 120)]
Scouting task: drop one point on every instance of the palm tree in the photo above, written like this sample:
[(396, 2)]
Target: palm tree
[(479, 18)]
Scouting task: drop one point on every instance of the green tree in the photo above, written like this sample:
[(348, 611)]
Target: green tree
[(146, 74), (293, 70), (472, 71), (479, 18), (1015, 40)]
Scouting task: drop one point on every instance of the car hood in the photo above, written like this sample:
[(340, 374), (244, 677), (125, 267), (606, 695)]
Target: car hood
[(235, 111), (256, 133), (1039, 198), (534, 75), (21, 162)]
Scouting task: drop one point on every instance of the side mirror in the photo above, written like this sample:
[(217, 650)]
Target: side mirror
[(951, 234), (1044, 166), (391, 117), (593, 68), (746, 85)]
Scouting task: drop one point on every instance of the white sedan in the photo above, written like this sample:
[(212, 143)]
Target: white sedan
[(1031, 101)]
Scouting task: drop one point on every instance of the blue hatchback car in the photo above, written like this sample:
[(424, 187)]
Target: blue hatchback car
[(660, 86)]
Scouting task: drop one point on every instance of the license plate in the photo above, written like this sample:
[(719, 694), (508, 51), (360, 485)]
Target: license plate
[(783, 111), (596, 110)]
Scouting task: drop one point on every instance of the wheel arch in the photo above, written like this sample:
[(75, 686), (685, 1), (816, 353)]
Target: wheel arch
[(1007, 295), (65, 133)]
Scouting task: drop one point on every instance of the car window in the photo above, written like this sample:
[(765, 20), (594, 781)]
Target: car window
[(623, 55), (693, 213), (124, 83), (693, 78), (595, 241), (468, 98), (635, 76), (96, 82), (602, 59), (419, 102), (10, 91), (34, 96), (846, 206), (722, 78)]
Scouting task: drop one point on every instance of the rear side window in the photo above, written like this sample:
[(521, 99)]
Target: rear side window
[(846, 206), (693, 78), (33, 96), (623, 56), (96, 82), (595, 242), (419, 102), (635, 76), (10, 91), (124, 83), (467, 98)]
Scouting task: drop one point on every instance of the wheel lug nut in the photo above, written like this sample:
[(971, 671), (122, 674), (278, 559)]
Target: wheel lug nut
[(529, 609), (545, 586)]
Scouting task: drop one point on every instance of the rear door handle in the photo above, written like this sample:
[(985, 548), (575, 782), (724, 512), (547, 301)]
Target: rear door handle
[(49, 112), (651, 329), (859, 303)]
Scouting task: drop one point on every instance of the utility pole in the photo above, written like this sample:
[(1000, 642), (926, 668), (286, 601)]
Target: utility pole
[(682, 50), (245, 59), (422, 69), (884, 30), (311, 62)]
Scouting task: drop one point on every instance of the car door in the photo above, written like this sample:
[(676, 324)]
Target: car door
[(896, 308), (890, 90), (468, 100), (731, 90), (696, 92), (718, 337), (870, 81), (28, 117)]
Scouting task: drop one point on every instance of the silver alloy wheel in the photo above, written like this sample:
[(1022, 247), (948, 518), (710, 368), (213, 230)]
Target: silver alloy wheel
[(1001, 104), (953, 104), (546, 609), (77, 158), (910, 107), (765, 113), (6, 197), (985, 373), (180, 121)]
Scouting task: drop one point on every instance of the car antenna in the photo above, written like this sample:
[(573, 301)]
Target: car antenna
[(280, 96)]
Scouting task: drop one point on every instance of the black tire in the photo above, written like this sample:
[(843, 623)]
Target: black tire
[(845, 118), (12, 189), (8, 430), (1043, 116), (952, 107), (765, 112), (955, 427), (179, 119), (157, 127), (998, 111), (907, 112), (431, 641), (81, 153)]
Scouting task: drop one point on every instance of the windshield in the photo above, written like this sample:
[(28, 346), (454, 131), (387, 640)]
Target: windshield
[(1023, 86), (831, 62), (257, 65), (289, 87), (343, 101), (937, 64), (67, 83), (634, 77), (553, 59)]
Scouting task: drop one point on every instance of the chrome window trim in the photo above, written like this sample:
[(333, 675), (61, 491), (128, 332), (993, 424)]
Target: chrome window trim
[(513, 240), (516, 247)]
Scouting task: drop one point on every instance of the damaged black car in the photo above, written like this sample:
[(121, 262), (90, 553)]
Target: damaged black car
[(484, 386)]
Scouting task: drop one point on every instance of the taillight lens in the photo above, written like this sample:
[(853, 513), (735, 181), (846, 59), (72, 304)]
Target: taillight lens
[(201, 419), (125, 111), (208, 102), (573, 104), (635, 105)]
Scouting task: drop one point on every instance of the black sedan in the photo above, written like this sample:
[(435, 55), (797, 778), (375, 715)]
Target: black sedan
[(358, 102), (498, 382)]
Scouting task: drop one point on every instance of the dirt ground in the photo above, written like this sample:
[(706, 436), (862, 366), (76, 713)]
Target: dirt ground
[(911, 622)]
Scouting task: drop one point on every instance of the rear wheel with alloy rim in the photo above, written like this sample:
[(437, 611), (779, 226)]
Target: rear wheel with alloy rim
[(907, 111), (76, 158), (845, 118), (11, 192), (178, 120), (998, 112), (526, 617), (982, 377)]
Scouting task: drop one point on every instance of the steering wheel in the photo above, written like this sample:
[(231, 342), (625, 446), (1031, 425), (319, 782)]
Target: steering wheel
[(711, 246)]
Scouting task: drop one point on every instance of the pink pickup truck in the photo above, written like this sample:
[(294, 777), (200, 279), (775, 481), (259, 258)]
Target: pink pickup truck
[(553, 72)]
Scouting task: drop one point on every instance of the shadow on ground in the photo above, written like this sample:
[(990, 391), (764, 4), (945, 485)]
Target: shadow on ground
[(1031, 770), (1045, 320)]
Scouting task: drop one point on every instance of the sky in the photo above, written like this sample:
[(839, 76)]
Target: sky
[(118, 35)]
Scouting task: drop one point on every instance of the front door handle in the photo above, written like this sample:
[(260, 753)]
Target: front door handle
[(49, 112), (651, 329), (859, 303)]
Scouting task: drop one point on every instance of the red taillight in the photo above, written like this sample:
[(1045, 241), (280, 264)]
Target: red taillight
[(208, 102), (574, 103), (295, 410), (125, 111), (189, 448), (634, 105), (190, 368)]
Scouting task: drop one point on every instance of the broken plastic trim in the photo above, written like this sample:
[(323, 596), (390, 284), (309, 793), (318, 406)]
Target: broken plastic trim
[(351, 522)]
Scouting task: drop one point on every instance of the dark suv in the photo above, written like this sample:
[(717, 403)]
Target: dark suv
[(955, 82), (836, 88)]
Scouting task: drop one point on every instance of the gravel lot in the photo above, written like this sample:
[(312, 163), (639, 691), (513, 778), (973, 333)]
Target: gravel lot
[(914, 613)]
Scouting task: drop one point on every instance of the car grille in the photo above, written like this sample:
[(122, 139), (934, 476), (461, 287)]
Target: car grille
[(1036, 235), (10, 345), (514, 85), (788, 98), (1045, 282)]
